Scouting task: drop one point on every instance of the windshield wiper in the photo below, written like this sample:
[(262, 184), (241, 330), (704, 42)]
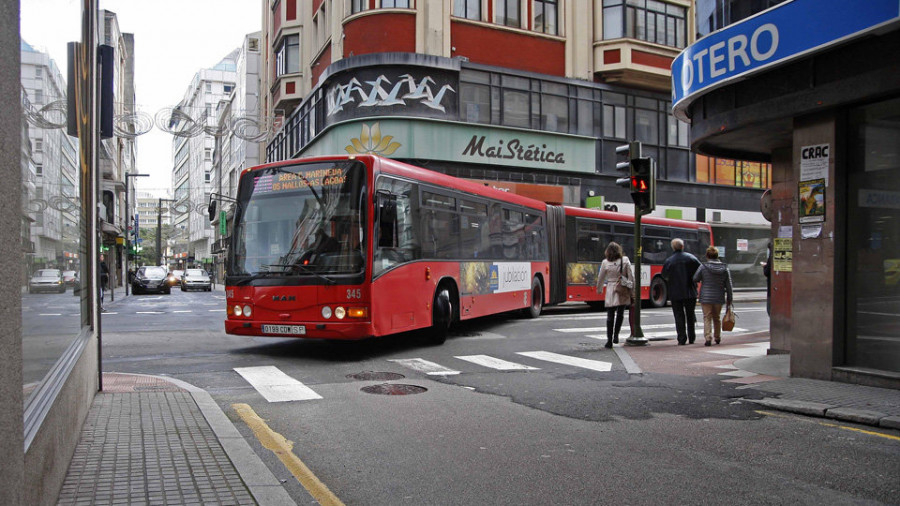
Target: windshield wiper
[(262, 274)]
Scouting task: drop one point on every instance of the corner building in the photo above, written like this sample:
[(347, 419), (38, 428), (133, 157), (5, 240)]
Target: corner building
[(532, 96), (813, 87)]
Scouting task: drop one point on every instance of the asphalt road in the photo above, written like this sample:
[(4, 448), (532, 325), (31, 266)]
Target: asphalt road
[(565, 424)]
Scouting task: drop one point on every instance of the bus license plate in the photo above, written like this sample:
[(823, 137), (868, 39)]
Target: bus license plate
[(284, 329)]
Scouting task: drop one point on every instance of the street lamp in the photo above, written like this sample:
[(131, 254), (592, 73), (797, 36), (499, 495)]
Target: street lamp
[(128, 227), (159, 230)]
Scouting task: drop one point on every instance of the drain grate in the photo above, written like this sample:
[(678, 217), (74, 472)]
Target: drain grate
[(375, 376), (394, 389)]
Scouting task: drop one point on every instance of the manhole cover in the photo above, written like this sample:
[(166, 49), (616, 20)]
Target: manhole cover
[(375, 376), (394, 389)]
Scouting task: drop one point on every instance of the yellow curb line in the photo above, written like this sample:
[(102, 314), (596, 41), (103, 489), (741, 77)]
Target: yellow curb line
[(827, 424), (281, 447)]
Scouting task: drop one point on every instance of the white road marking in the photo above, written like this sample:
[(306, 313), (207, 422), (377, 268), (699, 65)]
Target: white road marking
[(275, 385), (187, 311), (150, 312), (216, 310), (422, 365), (744, 350), (496, 363), (49, 314), (594, 365)]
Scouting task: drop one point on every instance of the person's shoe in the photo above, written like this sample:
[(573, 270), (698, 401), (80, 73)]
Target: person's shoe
[(690, 341), (681, 343), (616, 340), (707, 343), (608, 344), (718, 340)]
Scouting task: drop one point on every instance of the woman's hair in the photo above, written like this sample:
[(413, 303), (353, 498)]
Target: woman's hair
[(613, 252), (712, 253)]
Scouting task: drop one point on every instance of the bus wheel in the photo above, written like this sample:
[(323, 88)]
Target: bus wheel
[(441, 316), (537, 299), (658, 292)]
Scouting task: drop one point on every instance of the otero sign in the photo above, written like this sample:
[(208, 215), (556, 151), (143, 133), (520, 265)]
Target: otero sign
[(778, 35), (511, 149)]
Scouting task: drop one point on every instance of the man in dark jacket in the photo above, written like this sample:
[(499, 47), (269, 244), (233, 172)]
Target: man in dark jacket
[(678, 271)]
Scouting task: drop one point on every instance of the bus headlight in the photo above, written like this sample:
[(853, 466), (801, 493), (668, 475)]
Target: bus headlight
[(247, 311), (237, 310), (340, 313), (326, 312)]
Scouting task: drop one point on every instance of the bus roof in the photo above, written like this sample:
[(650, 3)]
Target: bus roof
[(625, 217)]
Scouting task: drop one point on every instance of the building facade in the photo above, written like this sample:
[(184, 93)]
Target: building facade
[(532, 93), (242, 143), (192, 151), (812, 87)]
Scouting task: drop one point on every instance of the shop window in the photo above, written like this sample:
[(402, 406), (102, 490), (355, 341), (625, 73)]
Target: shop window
[(515, 108)]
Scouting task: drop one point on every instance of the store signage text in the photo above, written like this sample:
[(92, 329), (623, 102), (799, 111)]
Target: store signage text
[(512, 149)]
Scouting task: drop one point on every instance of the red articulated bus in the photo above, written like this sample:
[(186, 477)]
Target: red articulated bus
[(350, 247)]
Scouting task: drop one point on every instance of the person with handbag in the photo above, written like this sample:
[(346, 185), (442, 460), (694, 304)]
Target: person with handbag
[(715, 290), (617, 277)]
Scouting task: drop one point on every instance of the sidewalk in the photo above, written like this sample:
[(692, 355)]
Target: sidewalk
[(152, 440)]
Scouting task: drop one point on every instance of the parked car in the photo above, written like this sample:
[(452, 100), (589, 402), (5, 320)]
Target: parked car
[(195, 279), (47, 280), (150, 278), (69, 277), (178, 273)]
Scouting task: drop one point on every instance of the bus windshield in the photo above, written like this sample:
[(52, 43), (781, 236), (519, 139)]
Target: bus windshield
[(303, 220)]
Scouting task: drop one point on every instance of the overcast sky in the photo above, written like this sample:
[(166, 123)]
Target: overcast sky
[(172, 39)]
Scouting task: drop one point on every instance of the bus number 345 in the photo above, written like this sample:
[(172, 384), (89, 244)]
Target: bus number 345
[(354, 293)]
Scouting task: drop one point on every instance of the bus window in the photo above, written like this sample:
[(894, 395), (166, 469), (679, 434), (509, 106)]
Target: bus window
[(535, 237), (474, 229), (441, 226), (513, 234), (405, 229)]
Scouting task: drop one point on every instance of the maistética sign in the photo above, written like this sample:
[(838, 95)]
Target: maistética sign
[(786, 31)]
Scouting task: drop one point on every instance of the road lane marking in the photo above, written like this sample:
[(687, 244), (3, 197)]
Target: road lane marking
[(150, 312), (594, 365), (185, 311), (496, 363), (828, 424), (216, 310), (275, 385), (49, 314), (422, 365), (283, 449)]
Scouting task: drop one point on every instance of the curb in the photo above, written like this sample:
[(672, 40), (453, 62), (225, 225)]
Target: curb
[(265, 488), (820, 410)]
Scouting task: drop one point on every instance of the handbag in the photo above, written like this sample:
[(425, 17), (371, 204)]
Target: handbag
[(625, 283), (729, 319)]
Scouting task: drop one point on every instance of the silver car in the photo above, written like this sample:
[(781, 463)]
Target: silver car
[(47, 280), (195, 279)]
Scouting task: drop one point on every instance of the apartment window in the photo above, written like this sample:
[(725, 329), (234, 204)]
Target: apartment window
[(209, 87), (469, 9), (614, 121), (38, 169), (38, 145), (287, 57), (228, 88), (38, 97), (207, 154), (545, 16), (358, 6), (38, 73), (650, 20), (206, 177), (509, 13), (403, 4)]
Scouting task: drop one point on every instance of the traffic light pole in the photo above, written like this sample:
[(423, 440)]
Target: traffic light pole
[(637, 334)]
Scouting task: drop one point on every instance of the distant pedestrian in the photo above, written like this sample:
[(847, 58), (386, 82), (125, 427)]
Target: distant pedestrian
[(104, 279), (612, 268), (678, 271), (715, 290), (767, 271)]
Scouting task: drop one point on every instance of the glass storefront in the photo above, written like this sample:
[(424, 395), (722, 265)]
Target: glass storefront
[(873, 237)]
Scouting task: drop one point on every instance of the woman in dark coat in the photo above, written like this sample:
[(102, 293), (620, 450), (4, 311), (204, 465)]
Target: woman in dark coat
[(715, 291), (613, 265)]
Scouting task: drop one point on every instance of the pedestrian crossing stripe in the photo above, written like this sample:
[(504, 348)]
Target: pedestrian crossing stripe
[(496, 363), (594, 365), (275, 385), (424, 366)]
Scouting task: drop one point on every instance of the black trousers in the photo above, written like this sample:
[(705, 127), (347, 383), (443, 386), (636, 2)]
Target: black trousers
[(685, 317), (614, 315)]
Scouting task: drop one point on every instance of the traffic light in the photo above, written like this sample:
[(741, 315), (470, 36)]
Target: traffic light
[(625, 155), (643, 184)]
